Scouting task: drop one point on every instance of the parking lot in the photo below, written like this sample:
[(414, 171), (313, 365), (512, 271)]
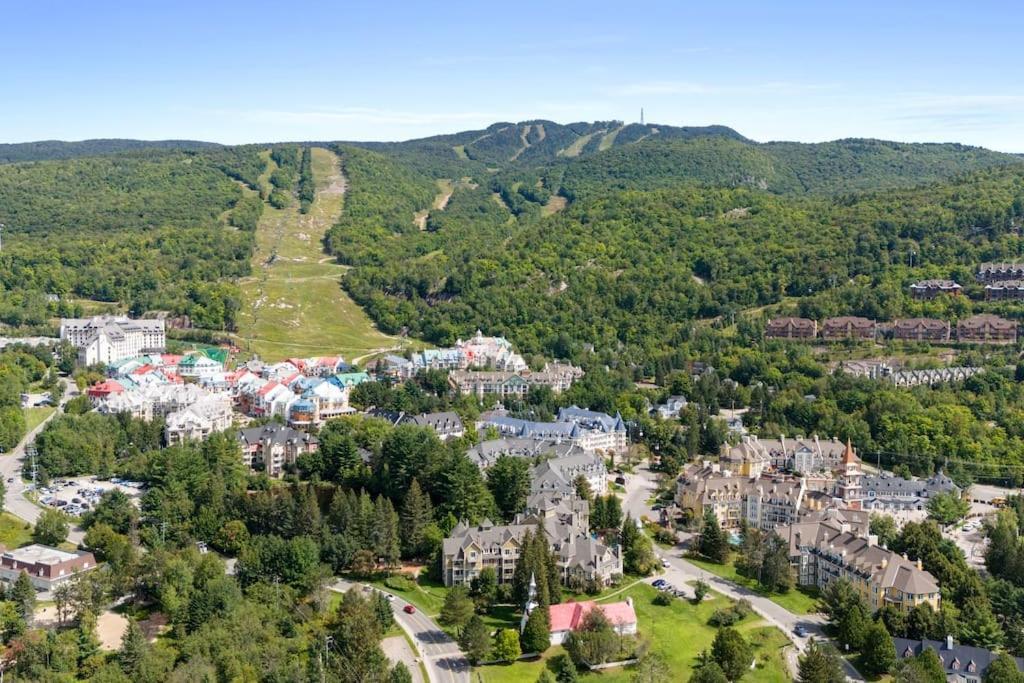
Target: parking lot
[(76, 495)]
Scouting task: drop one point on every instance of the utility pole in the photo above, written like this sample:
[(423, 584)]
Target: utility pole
[(2, 226), (30, 451), (641, 116)]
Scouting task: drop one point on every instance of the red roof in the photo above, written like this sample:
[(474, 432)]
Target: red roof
[(568, 616), (266, 388), (143, 369), (105, 388), (170, 359), (300, 363)]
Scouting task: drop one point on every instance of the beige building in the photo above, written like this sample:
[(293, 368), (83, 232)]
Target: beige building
[(823, 552)]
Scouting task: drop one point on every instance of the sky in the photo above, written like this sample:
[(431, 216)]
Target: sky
[(235, 72)]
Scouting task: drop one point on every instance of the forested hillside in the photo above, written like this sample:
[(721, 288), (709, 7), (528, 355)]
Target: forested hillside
[(148, 229), (634, 268), (44, 150)]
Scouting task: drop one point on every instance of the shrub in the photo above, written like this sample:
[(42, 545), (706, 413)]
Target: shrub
[(663, 599)]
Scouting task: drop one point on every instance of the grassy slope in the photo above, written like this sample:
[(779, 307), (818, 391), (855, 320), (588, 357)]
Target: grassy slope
[(296, 306), (796, 601), (35, 416), (678, 633), (14, 532)]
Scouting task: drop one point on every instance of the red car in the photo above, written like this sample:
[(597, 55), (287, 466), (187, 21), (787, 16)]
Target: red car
[(409, 609)]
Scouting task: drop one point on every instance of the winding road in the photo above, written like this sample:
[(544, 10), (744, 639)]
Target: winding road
[(444, 661), (15, 502)]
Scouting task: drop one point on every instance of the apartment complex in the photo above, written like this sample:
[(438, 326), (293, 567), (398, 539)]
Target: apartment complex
[(929, 289), (823, 552), (271, 447)]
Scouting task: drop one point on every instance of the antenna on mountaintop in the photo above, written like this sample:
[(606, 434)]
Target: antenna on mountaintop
[(641, 116)]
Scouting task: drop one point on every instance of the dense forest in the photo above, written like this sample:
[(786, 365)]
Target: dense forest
[(147, 229)]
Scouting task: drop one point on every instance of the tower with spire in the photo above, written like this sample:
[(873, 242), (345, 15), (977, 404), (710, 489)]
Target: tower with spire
[(531, 602), (849, 485)]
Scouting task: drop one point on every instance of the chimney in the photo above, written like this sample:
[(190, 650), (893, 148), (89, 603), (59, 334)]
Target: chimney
[(949, 642), (920, 567), (885, 562)]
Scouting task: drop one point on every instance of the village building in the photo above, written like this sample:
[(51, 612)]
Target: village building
[(848, 327), (929, 289), (580, 557), (210, 414), (921, 329), (823, 552), (486, 453), (888, 493), (1005, 289), (589, 430), (567, 617), (447, 425), (46, 567), (560, 474), (763, 502), (503, 383), (752, 455), (670, 408), (104, 339), (791, 328), (996, 271), (986, 328), (271, 447), (960, 663)]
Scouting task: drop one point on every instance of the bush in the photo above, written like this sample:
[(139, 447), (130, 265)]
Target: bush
[(664, 599), (724, 617)]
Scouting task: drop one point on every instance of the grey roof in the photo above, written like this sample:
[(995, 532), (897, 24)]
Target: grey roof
[(591, 419), (486, 452), (440, 422), (960, 655), (886, 486), (274, 434)]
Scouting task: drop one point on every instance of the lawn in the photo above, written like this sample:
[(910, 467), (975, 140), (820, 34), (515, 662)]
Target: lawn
[(14, 532), (678, 633), (35, 416), (294, 304), (799, 600)]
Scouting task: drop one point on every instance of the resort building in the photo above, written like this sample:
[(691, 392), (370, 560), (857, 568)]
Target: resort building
[(105, 339)]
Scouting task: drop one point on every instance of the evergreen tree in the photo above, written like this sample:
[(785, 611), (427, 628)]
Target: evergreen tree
[(732, 652), (536, 635), (509, 481), (714, 543), (399, 674), (475, 640), (565, 669), (382, 611), (385, 531), (637, 551), (820, 664), (854, 626), (878, 651), (708, 672), (133, 649), (24, 597), (978, 626), (457, 608), (417, 515)]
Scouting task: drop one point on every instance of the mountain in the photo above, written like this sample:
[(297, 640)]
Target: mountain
[(44, 150)]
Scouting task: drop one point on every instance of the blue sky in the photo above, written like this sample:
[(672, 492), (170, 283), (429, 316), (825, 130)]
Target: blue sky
[(258, 71)]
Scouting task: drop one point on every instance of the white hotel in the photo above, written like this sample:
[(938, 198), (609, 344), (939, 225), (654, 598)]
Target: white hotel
[(106, 339)]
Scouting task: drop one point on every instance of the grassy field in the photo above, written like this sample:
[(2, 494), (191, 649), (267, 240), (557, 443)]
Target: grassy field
[(797, 601), (13, 531), (678, 633), (293, 302), (35, 416)]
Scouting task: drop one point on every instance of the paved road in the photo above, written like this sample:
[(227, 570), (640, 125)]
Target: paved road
[(445, 662), (10, 469), (641, 486)]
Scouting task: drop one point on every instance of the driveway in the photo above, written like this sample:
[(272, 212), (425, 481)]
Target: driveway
[(442, 656), (639, 487)]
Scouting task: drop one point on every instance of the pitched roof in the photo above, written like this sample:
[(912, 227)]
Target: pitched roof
[(568, 616)]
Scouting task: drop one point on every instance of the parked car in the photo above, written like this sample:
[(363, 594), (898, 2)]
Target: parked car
[(800, 631), (659, 583)]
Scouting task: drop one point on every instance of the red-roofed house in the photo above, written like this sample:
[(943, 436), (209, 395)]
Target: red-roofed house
[(104, 389), (568, 617)]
